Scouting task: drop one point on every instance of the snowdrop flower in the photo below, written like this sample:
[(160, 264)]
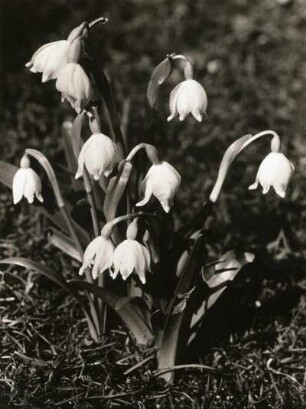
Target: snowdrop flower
[(26, 182), (74, 85), (52, 57), (99, 155), (99, 255), (161, 181), (131, 256), (188, 96), (275, 170)]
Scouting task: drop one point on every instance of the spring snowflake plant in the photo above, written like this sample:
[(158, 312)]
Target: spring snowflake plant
[(131, 239)]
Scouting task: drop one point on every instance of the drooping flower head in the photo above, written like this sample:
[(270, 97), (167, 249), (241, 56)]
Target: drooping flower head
[(98, 255), (52, 57), (188, 97), (161, 181), (75, 86), (276, 171), (131, 256), (26, 182), (98, 155)]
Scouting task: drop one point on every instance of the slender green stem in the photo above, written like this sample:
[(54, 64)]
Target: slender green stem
[(135, 150), (188, 69), (40, 157), (150, 150), (71, 229), (88, 275), (91, 200), (93, 308), (98, 21), (102, 306), (233, 151), (107, 95), (108, 227), (58, 196)]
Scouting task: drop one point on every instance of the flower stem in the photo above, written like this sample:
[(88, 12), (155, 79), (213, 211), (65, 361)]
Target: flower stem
[(108, 227), (135, 150), (71, 229), (233, 151), (58, 196), (150, 150), (107, 95), (100, 20), (188, 68), (91, 200)]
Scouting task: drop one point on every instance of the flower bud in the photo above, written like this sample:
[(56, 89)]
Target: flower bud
[(99, 155), (98, 255), (161, 181), (188, 97), (132, 230), (26, 182), (131, 256), (75, 86), (74, 51), (275, 170), (76, 32)]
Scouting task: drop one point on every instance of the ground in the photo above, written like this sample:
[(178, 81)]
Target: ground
[(251, 59)]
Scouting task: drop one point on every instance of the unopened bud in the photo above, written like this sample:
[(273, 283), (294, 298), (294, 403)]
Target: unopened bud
[(25, 162), (153, 155), (188, 71), (76, 32), (94, 125), (132, 230), (75, 51)]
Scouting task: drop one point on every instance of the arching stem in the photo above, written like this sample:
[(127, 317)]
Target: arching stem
[(233, 151)]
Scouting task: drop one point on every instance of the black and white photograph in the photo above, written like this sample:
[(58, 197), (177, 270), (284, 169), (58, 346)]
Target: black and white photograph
[(152, 204)]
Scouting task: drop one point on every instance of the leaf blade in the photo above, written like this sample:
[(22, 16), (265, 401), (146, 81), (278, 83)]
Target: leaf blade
[(129, 314), (158, 77)]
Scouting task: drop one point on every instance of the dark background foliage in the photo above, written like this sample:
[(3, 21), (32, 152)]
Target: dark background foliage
[(251, 58)]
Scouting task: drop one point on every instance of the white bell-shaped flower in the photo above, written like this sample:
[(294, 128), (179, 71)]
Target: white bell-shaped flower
[(131, 256), (98, 155), (98, 255), (188, 97), (161, 181), (275, 170), (27, 183), (75, 86), (52, 57)]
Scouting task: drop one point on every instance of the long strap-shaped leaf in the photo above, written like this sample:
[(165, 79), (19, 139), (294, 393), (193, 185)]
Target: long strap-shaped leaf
[(64, 243), (168, 348), (115, 192), (191, 265), (56, 278), (158, 77), (224, 273), (71, 157), (7, 172), (130, 313), (170, 335)]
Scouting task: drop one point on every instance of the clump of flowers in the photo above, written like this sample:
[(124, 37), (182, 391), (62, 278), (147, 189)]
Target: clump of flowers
[(131, 238)]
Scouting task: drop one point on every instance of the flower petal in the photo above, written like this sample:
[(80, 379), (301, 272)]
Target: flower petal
[(173, 101), (254, 185), (147, 195), (19, 181)]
